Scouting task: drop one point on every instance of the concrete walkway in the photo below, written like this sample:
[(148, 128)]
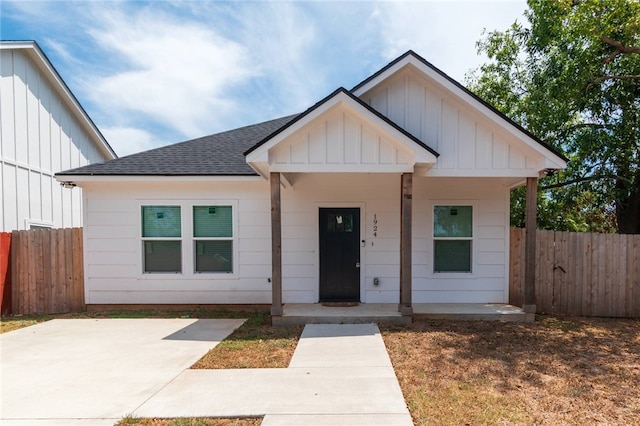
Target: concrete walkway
[(339, 375)]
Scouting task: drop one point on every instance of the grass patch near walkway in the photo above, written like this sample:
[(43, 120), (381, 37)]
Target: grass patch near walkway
[(255, 344), (554, 371), (133, 421)]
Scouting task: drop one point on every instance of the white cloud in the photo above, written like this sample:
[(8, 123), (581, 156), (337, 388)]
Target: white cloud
[(444, 33), (173, 71), (128, 140)]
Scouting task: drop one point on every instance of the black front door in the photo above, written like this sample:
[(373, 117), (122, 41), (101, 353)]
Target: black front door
[(339, 255)]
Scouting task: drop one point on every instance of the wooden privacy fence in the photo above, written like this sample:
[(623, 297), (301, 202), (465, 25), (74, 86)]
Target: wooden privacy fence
[(47, 271), (580, 274)]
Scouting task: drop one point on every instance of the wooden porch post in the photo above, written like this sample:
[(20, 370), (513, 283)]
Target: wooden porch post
[(405, 307), (276, 246), (529, 305)]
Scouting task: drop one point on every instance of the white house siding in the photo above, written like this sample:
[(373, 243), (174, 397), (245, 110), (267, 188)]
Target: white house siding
[(113, 245), (469, 144), (114, 248), (39, 136), (488, 281)]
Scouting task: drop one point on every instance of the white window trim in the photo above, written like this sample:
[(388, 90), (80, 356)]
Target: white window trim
[(188, 255), (144, 239), (233, 240), (473, 239), (29, 222)]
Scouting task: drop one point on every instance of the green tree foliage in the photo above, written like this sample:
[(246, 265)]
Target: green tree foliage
[(571, 76)]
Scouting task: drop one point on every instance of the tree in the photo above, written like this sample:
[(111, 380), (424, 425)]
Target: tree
[(572, 77)]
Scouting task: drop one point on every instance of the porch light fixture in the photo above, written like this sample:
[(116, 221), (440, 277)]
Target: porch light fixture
[(68, 184)]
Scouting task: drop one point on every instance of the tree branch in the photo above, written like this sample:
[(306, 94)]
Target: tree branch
[(619, 77), (619, 46), (579, 180)]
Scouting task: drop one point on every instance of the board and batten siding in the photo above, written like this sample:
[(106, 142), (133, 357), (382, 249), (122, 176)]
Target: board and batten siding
[(339, 141), (468, 143), (113, 243), (39, 137)]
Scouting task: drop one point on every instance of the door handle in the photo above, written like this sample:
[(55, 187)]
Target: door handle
[(357, 264)]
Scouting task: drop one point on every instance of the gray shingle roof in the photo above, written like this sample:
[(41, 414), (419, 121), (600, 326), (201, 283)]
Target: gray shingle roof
[(219, 154)]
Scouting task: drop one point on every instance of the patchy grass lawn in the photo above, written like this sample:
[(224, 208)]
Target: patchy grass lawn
[(255, 344), (249, 421), (555, 371)]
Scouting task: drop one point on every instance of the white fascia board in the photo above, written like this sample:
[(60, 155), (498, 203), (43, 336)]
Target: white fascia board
[(479, 173), (145, 178), (341, 168), (41, 61), (261, 155), (554, 161)]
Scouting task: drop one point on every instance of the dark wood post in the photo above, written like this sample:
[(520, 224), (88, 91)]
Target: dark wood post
[(276, 246), (405, 244), (531, 206)]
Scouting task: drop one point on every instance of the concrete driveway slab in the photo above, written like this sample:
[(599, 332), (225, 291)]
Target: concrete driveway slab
[(68, 370)]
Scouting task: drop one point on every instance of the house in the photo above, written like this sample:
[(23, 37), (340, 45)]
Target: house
[(43, 130), (396, 191)]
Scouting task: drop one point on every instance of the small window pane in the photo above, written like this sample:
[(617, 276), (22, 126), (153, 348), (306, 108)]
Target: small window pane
[(452, 256), (339, 222), (452, 221), (212, 221), (214, 256), (161, 221), (162, 256)]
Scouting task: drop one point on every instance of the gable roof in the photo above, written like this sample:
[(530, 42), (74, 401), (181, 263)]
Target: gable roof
[(241, 152), (411, 56), (327, 100), (213, 155), (38, 57)]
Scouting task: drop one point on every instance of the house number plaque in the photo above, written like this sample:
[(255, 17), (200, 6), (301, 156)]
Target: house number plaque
[(375, 225)]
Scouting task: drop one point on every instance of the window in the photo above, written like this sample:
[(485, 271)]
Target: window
[(452, 238), (213, 238), (162, 239)]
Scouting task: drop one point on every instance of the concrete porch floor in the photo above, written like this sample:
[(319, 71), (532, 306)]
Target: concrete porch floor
[(387, 313)]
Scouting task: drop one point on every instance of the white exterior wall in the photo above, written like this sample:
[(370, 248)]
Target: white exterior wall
[(113, 244), (39, 137), (489, 280)]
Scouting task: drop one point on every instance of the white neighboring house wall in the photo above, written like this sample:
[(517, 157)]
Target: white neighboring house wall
[(43, 130)]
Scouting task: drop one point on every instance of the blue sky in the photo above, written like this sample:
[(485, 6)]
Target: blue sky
[(151, 73)]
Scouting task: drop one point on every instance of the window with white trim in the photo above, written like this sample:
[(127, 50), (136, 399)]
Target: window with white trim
[(213, 239), (162, 239), (452, 238)]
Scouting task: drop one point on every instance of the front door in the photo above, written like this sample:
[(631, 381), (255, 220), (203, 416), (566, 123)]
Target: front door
[(339, 255)]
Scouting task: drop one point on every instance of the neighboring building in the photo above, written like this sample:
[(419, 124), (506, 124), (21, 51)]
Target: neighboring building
[(402, 182), (43, 130)]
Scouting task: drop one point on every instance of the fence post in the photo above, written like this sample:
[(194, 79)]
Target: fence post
[(530, 246)]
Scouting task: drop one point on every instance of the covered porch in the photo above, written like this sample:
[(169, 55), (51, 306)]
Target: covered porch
[(387, 313)]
